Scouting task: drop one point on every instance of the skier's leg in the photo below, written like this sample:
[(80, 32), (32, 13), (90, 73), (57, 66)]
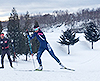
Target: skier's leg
[(8, 54), (2, 58), (40, 51), (49, 49)]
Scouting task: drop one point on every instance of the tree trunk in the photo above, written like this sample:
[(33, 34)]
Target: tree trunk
[(68, 50), (26, 57), (92, 45), (14, 58)]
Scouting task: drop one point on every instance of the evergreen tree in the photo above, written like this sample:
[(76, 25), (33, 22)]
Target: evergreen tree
[(0, 33), (0, 27), (35, 45), (27, 26), (68, 38), (28, 22), (91, 33), (15, 34)]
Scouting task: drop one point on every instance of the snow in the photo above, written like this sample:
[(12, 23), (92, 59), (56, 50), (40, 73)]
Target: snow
[(83, 59)]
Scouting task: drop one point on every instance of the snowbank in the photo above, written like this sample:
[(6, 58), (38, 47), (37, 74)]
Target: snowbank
[(83, 59)]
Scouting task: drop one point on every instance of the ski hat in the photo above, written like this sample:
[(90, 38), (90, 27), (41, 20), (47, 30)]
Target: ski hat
[(2, 34), (36, 25)]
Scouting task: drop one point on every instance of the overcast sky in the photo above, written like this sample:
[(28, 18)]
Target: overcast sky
[(43, 6)]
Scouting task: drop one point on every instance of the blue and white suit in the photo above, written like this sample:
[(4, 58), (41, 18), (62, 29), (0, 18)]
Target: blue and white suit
[(44, 45)]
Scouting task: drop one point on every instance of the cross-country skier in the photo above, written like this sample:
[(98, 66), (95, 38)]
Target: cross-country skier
[(44, 45), (4, 43)]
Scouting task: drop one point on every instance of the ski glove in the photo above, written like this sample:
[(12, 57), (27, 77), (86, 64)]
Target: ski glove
[(27, 31)]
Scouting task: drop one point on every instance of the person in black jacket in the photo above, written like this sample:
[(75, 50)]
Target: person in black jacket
[(4, 43)]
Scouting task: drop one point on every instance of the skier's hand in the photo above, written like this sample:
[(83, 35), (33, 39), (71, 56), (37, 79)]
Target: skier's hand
[(32, 55), (12, 41), (27, 31)]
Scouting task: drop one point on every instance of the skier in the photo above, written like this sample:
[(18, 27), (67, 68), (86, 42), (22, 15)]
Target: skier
[(4, 43), (44, 45)]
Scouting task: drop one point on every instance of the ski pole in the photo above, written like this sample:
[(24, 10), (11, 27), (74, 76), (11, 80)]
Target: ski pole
[(29, 43), (14, 52)]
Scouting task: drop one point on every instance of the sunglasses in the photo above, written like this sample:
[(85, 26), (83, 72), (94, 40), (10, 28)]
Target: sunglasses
[(35, 29)]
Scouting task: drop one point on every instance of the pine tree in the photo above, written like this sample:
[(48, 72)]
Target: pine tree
[(91, 33), (15, 34), (36, 23), (27, 26), (0, 27), (68, 38), (0, 33), (35, 45)]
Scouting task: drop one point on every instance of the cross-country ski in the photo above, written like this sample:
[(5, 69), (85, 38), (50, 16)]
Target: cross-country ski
[(68, 69)]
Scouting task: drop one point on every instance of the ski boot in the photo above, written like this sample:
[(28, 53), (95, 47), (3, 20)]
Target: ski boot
[(62, 66), (12, 67), (40, 68), (1, 67)]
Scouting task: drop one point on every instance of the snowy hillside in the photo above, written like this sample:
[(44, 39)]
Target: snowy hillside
[(83, 59)]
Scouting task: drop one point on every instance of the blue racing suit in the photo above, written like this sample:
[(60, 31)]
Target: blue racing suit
[(44, 45)]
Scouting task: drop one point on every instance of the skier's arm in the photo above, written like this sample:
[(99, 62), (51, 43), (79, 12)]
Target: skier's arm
[(42, 36), (0, 41), (31, 37), (10, 41), (1, 47)]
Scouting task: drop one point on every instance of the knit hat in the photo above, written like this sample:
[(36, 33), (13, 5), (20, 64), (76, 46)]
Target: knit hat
[(36, 24), (2, 34)]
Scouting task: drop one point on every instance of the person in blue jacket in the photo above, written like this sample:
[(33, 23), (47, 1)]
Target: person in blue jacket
[(44, 45)]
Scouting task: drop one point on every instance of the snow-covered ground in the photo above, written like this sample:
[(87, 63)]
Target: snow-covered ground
[(83, 59)]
